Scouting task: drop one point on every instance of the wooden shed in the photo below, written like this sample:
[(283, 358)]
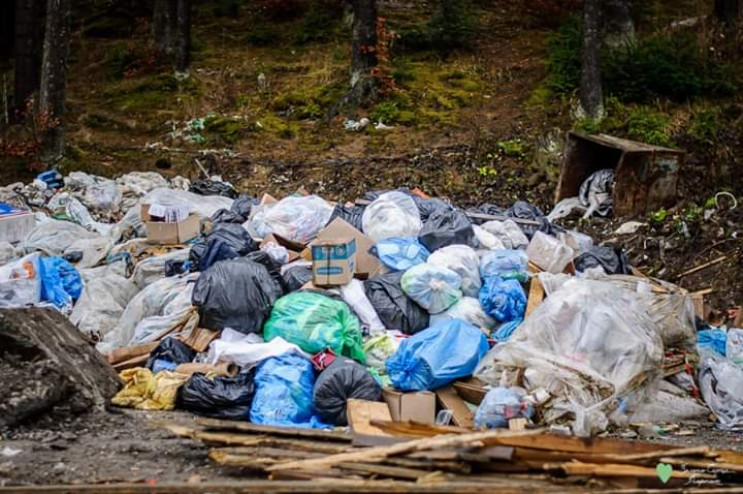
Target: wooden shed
[(646, 177)]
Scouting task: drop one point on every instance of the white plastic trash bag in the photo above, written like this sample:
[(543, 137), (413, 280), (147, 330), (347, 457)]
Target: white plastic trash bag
[(391, 215), (9, 253), (592, 346), (106, 293), (508, 232), (152, 269), (433, 288), (353, 294), (464, 261), (486, 240), (250, 350), (468, 309), (54, 237), (548, 253), (721, 384), (20, 282), (96, 193), (296, 218)]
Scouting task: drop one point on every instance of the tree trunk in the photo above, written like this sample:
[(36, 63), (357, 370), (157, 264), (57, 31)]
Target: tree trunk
[(29, 38), (591, 97), (53, 89), (619, 28), (183, 38), (164, 21), (363, 50)]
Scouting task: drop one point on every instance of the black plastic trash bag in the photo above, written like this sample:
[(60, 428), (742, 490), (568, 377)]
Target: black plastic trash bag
[(428, 206), (236, 294), (486, 208), (342, 380), (349, 214), (238, 213), (173, 351), (212, 188), (525, 211), (445, 228), (225, 241), (271, 265), (296, 277), (395, 309), (221, 397), (613, 260)]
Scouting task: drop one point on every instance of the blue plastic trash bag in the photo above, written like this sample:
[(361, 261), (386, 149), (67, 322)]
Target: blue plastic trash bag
[(505, 330), (436, 356), (714, 339), (500, 405), (60, 282), (401, 254), (283, 393), (505, 263), (505, 300), (433, 288)]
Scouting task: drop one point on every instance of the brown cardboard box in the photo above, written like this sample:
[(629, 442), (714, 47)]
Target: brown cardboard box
[(170, 233), (417, 407), (333, 261), (367, 265)]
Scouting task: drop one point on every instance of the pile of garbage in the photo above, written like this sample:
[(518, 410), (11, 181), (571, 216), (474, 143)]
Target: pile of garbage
[(279, 311)]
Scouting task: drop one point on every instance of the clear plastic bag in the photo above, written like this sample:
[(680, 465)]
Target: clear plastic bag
[(20, 282), (508, 232), (152, 269), (464, 261), (734, 346), (501, 405), (486, 240), (433, 288), (721, 384), (97, 193), (468, 309), (53, 237), (549, 253), (105, 296), (381, 347), (296, 218), (391, 215), (505, 263), (592, 346)]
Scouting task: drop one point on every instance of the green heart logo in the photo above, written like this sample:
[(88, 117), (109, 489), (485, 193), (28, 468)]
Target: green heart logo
[(664, 471)]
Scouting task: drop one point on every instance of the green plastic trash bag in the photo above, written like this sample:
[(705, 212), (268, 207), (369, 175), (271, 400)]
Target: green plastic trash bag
[(314, 322)]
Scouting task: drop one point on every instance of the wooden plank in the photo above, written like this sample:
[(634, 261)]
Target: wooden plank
[(711, 466), (360, 413), (518, 424), (200, 338), (570, 444), (120, 355), (247, 427), (375, 455), (385, 471), (536, 296), (620, 470), (417, 430), (461, 415), (470, 390)]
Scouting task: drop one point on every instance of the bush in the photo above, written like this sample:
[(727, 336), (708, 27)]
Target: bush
[(563, 57), (645, 125), (320, 23), (454, 25)]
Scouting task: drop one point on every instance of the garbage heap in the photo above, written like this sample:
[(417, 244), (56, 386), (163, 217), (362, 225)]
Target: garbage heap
[(280, 311)]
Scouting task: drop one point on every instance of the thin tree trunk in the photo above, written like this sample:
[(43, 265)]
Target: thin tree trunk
[(363, 51), (53, 89), (29, 39), (164, 21), (183, 38), (619, 28), (591, 96)]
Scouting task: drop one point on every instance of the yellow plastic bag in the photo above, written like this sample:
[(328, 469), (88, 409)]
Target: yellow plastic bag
[(144, 390)]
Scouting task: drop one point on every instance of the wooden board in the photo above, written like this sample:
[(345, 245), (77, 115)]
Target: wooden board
[(470, 391), (360, 413), (234, 425), (536, 296), (449, 399), (200, 338)]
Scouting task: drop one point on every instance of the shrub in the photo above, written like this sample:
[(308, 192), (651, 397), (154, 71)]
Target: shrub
[(320, 23), (563, 57), (646, 125), (454, 25)]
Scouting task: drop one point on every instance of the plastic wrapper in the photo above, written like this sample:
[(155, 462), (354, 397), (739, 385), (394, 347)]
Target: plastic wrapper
[(172, 350), (592, 346), (152, 269), (394, 308), (103, 300), (353, 294), (144, 390), (219, 397), (721, 384), (468, 309), (381, 347), (445, 228), (437, 356), (401, 254), (507, 232), (343, 380), (283, 394), (391, 215), (507, 264), (611, 260), (549, 253), (236, 294), (296, 218), (433, 288), (53, 237), (504, 300), (501, 405), (315, 322), (462, 260)]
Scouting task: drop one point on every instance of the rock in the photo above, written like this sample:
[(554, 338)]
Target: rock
[(47, 363), (629, 228)]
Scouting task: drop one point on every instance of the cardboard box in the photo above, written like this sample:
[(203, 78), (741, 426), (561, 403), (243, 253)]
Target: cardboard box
[(333, 261), (16, 225), (367, 265), (159, 232), (416, 407)]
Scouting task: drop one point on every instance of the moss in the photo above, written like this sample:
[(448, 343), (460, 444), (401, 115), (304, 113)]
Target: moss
[(220, 130), (97, 121), (275, 125), (157, 92), (406, 117)]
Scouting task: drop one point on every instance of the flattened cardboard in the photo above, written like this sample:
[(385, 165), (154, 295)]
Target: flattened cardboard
[(170, 233), (416, 407), (333, 261), (367, 265)]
